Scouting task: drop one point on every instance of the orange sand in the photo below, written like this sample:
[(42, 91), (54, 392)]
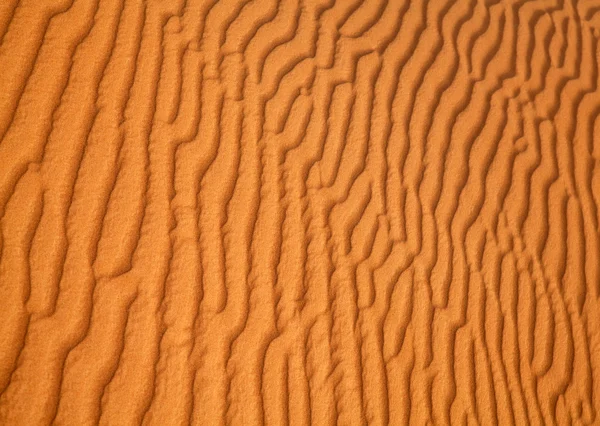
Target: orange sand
[(299, 212)]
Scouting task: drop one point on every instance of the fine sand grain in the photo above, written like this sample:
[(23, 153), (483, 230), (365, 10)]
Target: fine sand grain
[(294, 212)]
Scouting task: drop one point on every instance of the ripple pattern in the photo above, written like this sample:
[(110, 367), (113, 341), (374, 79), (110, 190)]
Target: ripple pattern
[(294, 212)]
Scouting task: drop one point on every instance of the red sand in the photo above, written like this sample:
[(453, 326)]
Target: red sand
[(299, 212)]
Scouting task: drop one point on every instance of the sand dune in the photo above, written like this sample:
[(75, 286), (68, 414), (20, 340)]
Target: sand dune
[(299, 212)]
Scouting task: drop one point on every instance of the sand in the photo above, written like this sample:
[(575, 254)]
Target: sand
[(321, 212)]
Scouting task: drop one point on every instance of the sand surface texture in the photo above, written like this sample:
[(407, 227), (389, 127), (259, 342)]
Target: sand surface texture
[(322, 212)]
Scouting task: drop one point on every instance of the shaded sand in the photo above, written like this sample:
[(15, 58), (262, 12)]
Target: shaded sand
[(299, 212)]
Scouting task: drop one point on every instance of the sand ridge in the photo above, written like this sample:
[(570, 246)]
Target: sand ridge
[(299, 212)]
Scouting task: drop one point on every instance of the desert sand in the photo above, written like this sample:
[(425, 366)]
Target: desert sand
[(294, 212)]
